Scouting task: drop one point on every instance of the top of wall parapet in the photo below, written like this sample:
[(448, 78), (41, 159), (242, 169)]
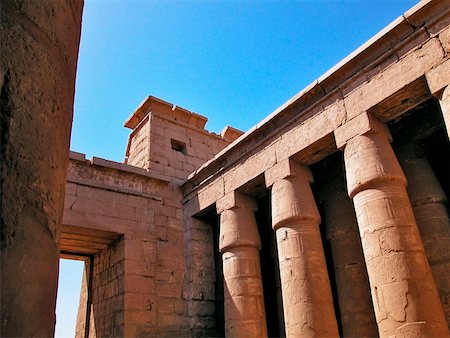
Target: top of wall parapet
[(338, 77), (100, 162), (169, 110)]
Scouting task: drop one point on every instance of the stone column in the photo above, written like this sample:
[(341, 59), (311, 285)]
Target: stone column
[(403, 291), (239, 243), (352, 284), (428, 201), (445, 107), (438, 84), (305, 286), (39, 42)]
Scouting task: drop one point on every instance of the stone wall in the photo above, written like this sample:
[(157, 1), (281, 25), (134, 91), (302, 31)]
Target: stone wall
[(80, 328), (201, 278), (107, 309), (130, 221), (171, 140), (139, 145)]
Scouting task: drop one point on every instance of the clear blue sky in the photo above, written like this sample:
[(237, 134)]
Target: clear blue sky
[(232, 61)]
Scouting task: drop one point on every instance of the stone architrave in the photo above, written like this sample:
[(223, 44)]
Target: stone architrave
[(429, 205), (352, 284), (404, 294), (305, 286), (239, 243)]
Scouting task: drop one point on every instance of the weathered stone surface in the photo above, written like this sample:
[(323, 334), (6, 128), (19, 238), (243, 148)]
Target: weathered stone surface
[(307, 301), (428, 201), (155, 267), (39, 44), (239, 243), (403, 290), (355, 304)]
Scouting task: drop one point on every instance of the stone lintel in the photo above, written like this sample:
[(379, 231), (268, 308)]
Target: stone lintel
[(360, 125), (438, 78), (235, 200), (284, 169)]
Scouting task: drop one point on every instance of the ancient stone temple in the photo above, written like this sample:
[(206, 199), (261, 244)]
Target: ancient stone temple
[(329, 218)]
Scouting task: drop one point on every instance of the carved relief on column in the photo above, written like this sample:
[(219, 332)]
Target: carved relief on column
[(428, 201), (239, 243), (305, 286), (403, 291), (352, 284)]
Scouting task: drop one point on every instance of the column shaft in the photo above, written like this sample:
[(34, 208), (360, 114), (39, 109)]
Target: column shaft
[(352, 284), (403, 291), (39, 43), (428, 202), (239, 244), (243, 298), (445, 107), (307, 300)]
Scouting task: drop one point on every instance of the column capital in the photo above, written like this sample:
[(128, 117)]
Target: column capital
[(360, 125), (292, 198), (238, 226), (235, 199), (286, 168)]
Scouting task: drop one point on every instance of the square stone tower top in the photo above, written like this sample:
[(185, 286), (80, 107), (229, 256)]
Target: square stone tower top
[(171, 140)]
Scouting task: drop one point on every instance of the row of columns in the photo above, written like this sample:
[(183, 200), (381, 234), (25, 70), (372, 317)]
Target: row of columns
[(384, 241)]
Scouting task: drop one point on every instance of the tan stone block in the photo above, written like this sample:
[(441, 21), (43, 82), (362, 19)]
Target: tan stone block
[(138, 284), (140, 267), (181, 175), (392, 79), (235, 199), (169, 211), (323, 122), (133, 249), (196, 162), (141, 317), (169, 289), (285, 169), (359, 125), (250, 169), (71, 189), (370, 71), (172, 321), (166, 305), (444, 38), (169, 171), (208, 195), (145, 215), (439, 77)]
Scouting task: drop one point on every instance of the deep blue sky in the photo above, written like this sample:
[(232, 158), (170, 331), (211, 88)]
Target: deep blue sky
[(232, 61)]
